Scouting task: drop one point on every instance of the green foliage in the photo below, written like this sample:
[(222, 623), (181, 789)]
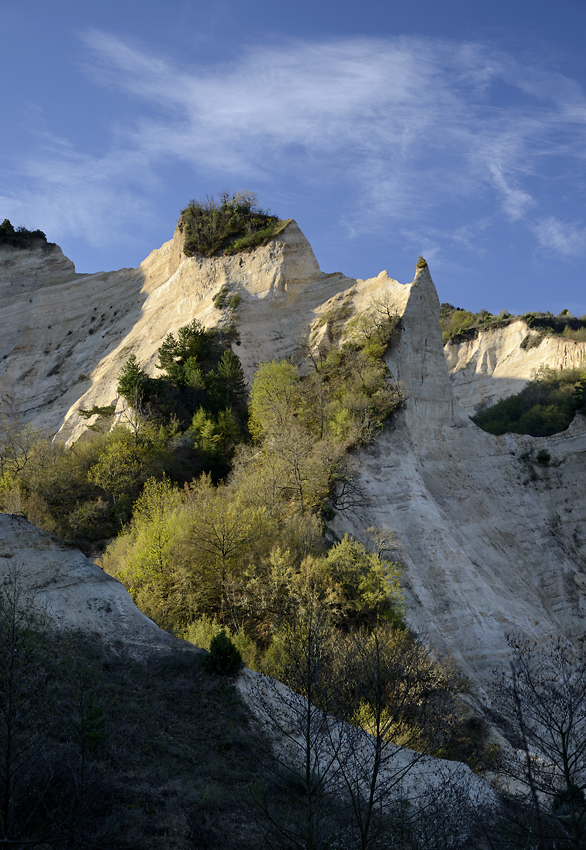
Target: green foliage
[(369, 588), (226, 226), (20, 237), (201, 373), (103, 412), (275, 396), (532, 340), (202, 631), (457, 324), (544, 407), (225, 298), (178, 357), (421, 262), (87, 491), (224, 658), (215, 436), (148, 551), (132, 382)]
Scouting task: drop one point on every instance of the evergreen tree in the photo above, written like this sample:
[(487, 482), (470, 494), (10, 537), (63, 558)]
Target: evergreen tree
[(132, 382)]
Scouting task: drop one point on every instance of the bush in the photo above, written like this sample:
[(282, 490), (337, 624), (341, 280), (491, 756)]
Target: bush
[(544, 407), (226, 226), (531, 341), (20, 237), (224, 658)]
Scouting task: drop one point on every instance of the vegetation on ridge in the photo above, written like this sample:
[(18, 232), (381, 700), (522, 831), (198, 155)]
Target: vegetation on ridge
[(228, 225), (544, 407), (20, 237), (458, 324), (548, 403)]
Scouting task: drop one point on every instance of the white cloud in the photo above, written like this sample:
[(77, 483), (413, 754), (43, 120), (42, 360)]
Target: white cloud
[(568, 240), (72, 193)]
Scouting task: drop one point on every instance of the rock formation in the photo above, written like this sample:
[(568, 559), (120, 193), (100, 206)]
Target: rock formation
[(491, 540), (492, 365)]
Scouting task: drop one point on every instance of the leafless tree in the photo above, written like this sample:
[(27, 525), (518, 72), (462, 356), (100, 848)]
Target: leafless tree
[(542, 698)]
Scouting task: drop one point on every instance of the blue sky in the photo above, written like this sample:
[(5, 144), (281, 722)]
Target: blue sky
[(450, 128)]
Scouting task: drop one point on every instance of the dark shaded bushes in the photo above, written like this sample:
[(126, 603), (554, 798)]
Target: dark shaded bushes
[(544, 407), (127, 754), (20, 237)]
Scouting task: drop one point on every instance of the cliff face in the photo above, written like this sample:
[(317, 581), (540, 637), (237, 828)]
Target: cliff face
[(491, 541), (493, 366), (66, 336)]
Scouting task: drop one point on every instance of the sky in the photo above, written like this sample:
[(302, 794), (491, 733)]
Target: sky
[(446, 128)]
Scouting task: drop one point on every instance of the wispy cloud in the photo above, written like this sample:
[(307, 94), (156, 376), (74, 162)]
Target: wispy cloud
[(72, 193), (402, 126), (566, 239)]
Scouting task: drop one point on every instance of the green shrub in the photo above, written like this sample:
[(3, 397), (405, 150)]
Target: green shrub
[(229, 225), (20, 237), (224, 658), (226, 298), (458, 324), (543, 456), (544, 407), (531, 341)]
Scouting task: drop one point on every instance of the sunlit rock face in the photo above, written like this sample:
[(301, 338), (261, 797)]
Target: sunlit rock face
[(493, 365), (492, 542)]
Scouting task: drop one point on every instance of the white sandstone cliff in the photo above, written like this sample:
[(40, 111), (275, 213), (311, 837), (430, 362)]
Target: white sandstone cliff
[(75, 592), (492, 542), (492, 365)]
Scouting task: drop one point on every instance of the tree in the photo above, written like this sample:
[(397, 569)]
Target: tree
[(120, 466), (132, 383), (179, 356), (369, 587), (25, 770), (226, 386), (543, 699), (274, 397), (362, 711), (220, 530), (306, 756), (399, 704)]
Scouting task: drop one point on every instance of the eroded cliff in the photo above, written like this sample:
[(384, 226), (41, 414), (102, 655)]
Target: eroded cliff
[(491, 541)]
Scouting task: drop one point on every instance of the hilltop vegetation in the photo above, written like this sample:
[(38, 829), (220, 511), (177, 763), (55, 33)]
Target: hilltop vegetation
[(20, 237), (228, 225), (550, 400), (544, 407), (458, 324)]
